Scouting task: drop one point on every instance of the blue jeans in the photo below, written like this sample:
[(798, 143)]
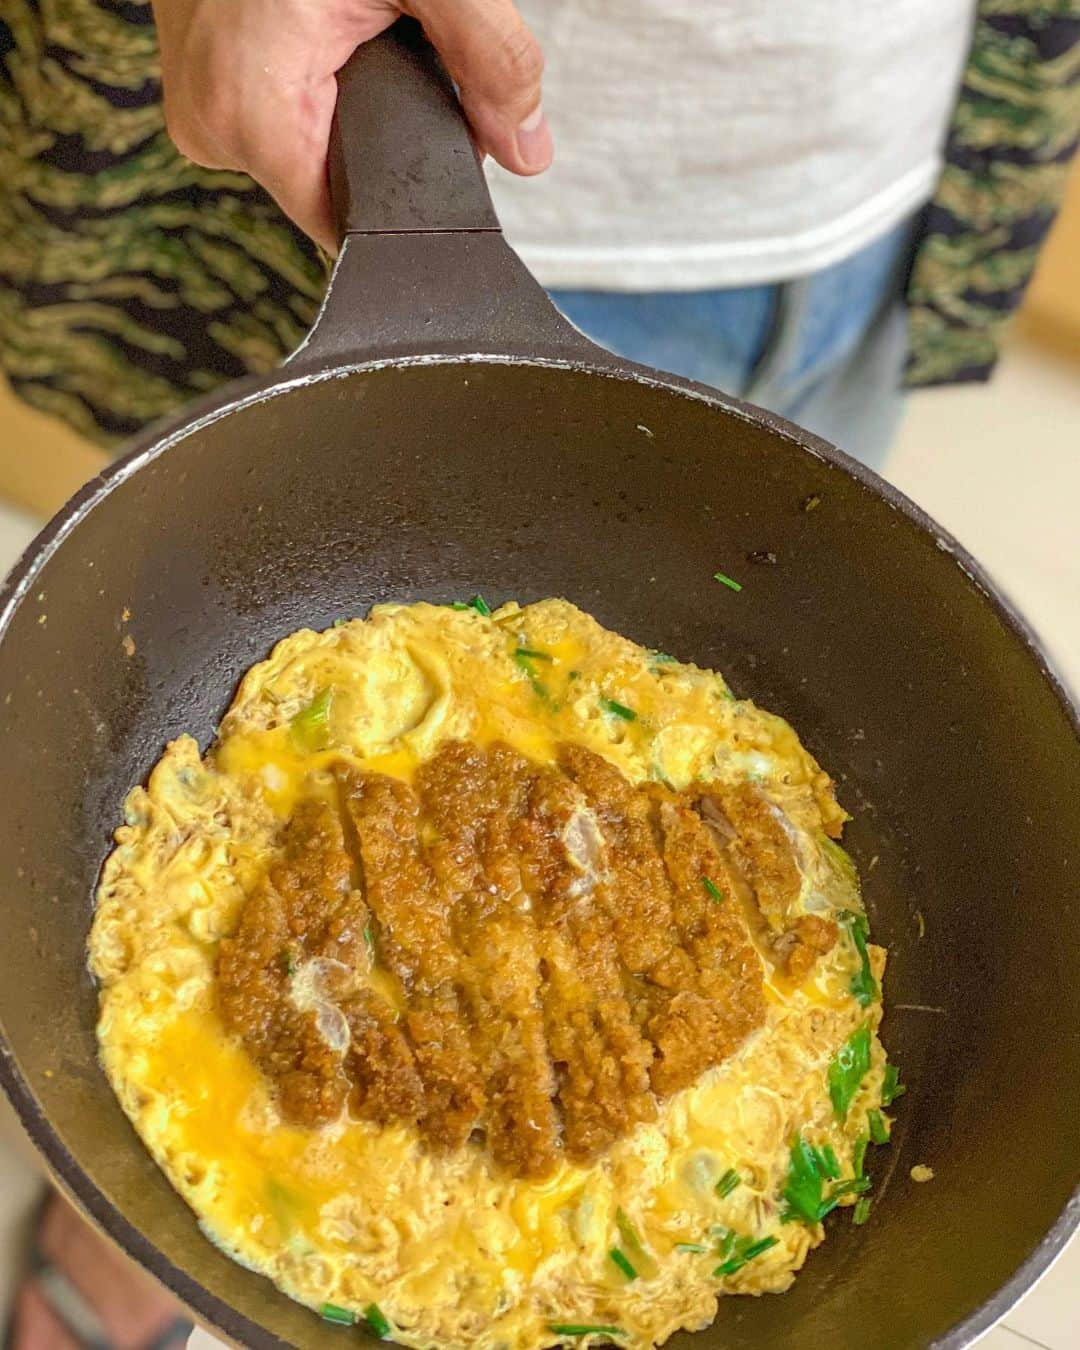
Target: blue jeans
[(826, 350)]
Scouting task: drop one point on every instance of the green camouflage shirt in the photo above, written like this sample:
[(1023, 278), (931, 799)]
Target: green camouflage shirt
[(131, 280)]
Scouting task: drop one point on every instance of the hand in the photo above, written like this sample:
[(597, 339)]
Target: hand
[(249, 84)]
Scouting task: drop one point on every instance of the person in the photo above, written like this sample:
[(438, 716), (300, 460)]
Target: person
[(812, 204), (744, 191)]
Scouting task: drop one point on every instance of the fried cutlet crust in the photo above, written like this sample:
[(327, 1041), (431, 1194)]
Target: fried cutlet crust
[(522, 955)]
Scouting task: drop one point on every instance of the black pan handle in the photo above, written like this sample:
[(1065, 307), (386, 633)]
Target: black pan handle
[(401, 158), (423, 268)]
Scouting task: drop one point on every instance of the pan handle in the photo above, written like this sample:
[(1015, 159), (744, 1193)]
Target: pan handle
[(423, 268), (401, 157)]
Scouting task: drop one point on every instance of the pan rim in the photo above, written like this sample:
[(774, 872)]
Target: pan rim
[(220, 1316)]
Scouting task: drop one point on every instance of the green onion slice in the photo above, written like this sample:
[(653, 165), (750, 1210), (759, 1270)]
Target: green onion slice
[(879, 1129), (644, 1263), (524, 658), (745, 1251), (623, 1262), (728, 1182), (477, 602), (727, 581), (802, 1191), (696, 1247), (726, 1239), (618, 710), (891, 1086), (858, 1155), (861, 1212), (376, 1320), (530, 655), (712, 890), (849, 1067), (852, 1186), (863, 985), (310, 728), (342, 1317)]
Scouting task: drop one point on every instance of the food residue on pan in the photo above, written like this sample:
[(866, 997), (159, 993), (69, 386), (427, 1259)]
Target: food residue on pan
[(497, 982)]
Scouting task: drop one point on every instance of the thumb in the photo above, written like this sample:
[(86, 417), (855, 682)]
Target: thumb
[(497, 65)]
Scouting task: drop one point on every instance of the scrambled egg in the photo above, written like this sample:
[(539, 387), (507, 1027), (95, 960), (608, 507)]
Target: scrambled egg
[(356, 1220)]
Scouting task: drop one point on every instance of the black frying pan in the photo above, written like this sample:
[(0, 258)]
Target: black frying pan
[(444, 431)]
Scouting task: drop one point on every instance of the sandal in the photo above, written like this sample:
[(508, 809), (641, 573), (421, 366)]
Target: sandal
[(51, 1293)]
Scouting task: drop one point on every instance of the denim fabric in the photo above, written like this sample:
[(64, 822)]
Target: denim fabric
[(825, 350)]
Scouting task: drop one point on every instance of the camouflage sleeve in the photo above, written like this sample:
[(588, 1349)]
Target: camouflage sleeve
[(130, 279), (1014, 131)]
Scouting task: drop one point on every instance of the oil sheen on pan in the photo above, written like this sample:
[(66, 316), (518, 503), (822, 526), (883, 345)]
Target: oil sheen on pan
[(495, 981)]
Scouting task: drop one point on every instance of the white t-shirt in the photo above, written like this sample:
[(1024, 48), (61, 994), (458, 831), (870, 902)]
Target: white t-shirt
[(709, 143)]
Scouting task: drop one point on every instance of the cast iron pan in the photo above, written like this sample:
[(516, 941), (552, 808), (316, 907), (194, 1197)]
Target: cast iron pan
[(444, 431)]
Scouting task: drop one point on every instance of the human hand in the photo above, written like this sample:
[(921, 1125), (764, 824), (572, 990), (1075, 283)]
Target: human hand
[(249, 84)]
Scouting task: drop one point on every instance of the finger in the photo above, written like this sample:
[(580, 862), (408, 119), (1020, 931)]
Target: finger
[(282, 142), (497, 65)]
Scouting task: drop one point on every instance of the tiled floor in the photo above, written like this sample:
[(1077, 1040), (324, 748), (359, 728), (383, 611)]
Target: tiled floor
[(1000, 468)]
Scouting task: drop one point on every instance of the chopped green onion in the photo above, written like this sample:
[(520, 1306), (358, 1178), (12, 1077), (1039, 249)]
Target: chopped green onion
[(861, 1212), (727, 581), (310, 728), (858, 1155), (891, 1086), (369, 939), (849, 1067), (803, 1188), (852, 1186), (713, 890), (728, 1182), (743, 1254), (330, 1312), (618, 710), (376, 1320), (662, 658), (340, 623), (623, 1262), (524, 658), (582, 1329), (477, 602), (879, 1129), (840, 858), (288, 960), (726, 1239), (696, 1247), (863, 985), (643, 1261)]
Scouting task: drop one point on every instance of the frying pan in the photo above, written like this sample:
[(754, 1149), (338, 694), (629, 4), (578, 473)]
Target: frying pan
[(443, 431)]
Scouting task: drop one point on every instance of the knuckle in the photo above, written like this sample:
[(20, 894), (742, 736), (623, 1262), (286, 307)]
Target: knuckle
[(522, 59)]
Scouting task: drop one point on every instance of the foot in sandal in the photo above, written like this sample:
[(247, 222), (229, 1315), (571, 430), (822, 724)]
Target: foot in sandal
[(81, 1293)]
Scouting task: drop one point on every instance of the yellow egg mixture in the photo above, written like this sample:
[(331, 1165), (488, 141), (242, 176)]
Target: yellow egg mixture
[(723, 1193)]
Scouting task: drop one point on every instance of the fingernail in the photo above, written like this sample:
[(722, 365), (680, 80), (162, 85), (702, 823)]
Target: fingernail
[(534, 139)]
